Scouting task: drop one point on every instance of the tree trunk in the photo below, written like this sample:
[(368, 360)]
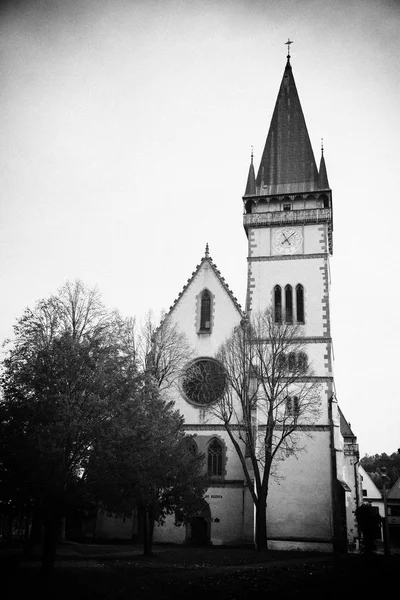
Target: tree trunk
[(261, 522), (147, 531), (52, 525), (35, 532)]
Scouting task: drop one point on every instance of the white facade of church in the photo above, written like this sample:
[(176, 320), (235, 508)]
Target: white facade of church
[(288, 223)]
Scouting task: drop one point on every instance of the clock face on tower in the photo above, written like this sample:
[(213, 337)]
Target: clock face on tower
[(287, 240)]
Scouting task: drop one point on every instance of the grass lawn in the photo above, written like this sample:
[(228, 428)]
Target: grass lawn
[(184, 572)]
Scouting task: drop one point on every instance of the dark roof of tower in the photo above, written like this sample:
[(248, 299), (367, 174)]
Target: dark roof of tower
[(287, 164), (251, 180)]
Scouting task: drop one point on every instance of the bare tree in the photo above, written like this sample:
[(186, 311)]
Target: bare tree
[(270, 393), (164, 351)]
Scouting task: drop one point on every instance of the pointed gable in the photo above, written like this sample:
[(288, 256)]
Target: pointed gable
[(206, 309), (207, 262), (395, 491), (287, 164), (371, 491)]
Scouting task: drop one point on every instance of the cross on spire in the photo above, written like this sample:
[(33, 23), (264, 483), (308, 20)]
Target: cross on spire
[(288, 43)]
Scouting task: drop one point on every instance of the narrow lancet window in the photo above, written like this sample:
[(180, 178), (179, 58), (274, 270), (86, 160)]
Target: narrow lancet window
[(205, 311), (215, 459), (289, 304), (278, 304), (300, 303)]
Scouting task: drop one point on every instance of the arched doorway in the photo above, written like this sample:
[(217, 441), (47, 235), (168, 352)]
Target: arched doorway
[(198, 529)]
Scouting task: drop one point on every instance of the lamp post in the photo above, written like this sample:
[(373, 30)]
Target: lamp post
[(386, 546)]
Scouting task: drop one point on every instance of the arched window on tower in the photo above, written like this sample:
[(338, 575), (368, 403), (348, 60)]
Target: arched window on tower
[(300, 303), (278, 304), (288, 304), (302, 362), (214, 459), (205, 311)]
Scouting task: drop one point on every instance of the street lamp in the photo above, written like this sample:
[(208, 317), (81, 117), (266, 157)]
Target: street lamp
[(386, 546)]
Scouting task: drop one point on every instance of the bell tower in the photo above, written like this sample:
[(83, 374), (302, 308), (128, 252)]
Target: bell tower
[(288, 223)]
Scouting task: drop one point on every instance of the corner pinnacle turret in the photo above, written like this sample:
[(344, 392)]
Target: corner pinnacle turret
[(251, 179), (323, 182)]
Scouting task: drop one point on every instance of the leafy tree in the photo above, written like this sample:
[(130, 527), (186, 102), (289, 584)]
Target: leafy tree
[(66, 372), (270, 390), (142, 462), (373, 464)]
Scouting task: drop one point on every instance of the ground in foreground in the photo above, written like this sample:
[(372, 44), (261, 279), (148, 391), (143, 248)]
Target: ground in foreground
[(194, 572)]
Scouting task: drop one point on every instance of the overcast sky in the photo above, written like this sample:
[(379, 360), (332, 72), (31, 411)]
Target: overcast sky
[(126, 131)]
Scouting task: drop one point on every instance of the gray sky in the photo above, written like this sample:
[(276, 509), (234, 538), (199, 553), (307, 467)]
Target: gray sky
[(126, 129)]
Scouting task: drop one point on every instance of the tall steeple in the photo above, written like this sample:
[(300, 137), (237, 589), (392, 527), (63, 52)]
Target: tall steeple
[(287, 163)]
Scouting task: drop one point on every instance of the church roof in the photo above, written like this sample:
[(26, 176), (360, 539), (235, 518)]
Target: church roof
[(287, 163), (207, 259), (345, 428)]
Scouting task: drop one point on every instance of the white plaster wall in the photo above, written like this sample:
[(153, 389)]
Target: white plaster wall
[(314, 239), (347, 471), (109, 527), (168, 532), (225, 316), (299, 504), (227, 505), (266, 274)]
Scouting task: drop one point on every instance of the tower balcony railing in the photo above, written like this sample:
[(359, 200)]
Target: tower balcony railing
[(307, 215)]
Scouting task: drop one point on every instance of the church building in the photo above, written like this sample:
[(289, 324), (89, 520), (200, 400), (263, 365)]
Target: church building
[(287, 218)]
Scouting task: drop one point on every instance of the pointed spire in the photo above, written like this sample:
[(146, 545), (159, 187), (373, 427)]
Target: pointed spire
[(323, 183), (251, 179), (207, 251), (287, 163)]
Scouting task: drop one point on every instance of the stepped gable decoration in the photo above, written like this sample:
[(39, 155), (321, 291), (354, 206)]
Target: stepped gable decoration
[(207, 258)]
